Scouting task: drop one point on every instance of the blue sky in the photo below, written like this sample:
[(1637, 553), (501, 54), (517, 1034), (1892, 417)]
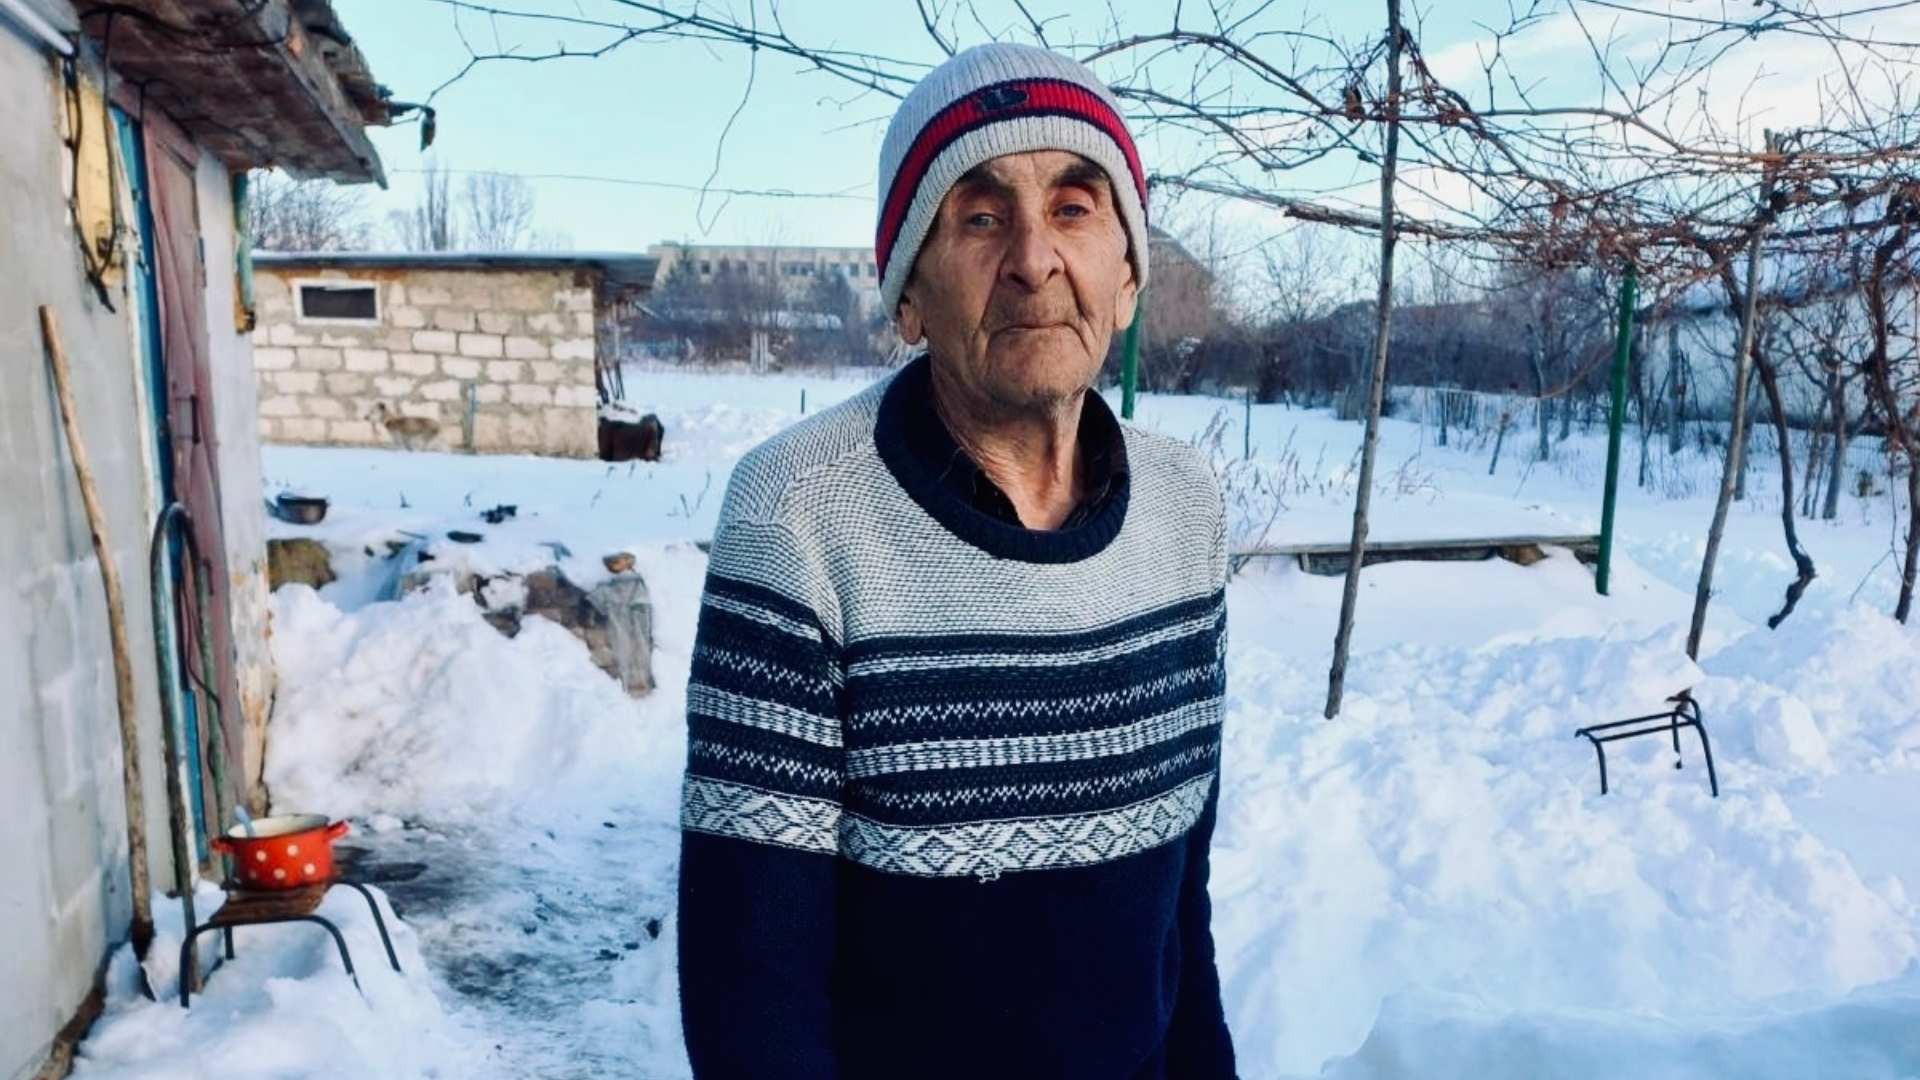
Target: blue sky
[(653, 110)]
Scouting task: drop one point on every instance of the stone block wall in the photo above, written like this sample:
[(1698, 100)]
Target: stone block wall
[(500, 360)]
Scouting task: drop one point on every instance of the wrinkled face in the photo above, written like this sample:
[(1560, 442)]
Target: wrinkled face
[(1023, 281)]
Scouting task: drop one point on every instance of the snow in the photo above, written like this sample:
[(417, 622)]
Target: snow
[(283, 1007), (1430, 885)]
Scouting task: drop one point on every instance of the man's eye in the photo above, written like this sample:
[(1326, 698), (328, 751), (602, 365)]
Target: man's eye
[(1075, 210), (981, 220)]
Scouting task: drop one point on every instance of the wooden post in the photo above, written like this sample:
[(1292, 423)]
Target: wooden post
[(141, 930)]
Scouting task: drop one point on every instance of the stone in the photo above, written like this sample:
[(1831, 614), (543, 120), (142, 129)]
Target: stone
[(614, 621), (523, 431), (523, 298), (346, 383), (481, 345), (326, 408), (548, 371), (573, 299), (452, 319), (526, 348), (316, 358), (444, 390), (490, 394), (406, 317), (498, 322), (438, 341), (297, 382), (583, 322), (300, 561), (357, 432), (303, 429), (578, 396), (282, 405), (506, 371), (414, 363), (524, 394), (546, 322), (366, 360), (277, 359), (489, 432), (423, 296), (573, 349), (393, 386), (284, 334), (459, 367)]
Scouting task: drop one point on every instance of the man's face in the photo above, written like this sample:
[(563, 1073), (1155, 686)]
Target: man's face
[(1023, 281)]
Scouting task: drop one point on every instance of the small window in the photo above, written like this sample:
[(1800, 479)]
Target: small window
[(340, 301)]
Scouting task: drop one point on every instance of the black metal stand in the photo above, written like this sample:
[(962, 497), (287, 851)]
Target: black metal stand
[(247, 907), (1685, 713)]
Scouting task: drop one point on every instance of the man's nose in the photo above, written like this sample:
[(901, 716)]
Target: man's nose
[(1033, 258)]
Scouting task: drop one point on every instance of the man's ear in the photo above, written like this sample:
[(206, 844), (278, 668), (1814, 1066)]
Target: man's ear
[(1128, 301), (913, 329)]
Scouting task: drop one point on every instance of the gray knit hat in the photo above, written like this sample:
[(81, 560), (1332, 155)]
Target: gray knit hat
[(986, 102)]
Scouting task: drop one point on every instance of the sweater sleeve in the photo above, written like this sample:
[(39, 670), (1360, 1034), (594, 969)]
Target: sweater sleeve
[(1198, 1042), (760, 816)]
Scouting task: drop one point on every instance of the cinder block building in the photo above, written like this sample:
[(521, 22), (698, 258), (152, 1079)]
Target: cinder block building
[(123, 168), (497, 352)]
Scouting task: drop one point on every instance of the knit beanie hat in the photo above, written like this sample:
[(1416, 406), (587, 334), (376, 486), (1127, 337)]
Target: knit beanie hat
[(986, 102)]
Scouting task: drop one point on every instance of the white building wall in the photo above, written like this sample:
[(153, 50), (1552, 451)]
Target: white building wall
[(63, 837)]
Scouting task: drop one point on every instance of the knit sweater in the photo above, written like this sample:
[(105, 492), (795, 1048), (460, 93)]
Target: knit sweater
[(951, 783)]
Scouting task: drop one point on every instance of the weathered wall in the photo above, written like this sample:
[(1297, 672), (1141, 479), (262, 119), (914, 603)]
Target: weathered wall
[(62, 820), (243, 518), (500, 360)]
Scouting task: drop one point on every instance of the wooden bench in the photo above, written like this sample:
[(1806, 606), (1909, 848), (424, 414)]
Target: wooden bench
[(1330, 559)]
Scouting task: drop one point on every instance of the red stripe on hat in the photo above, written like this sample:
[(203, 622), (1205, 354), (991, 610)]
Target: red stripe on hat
[(992, 104)]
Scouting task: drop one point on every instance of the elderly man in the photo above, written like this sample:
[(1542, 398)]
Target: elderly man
[(954, 718)]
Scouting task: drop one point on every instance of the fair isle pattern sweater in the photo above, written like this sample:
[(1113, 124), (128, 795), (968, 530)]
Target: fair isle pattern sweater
[(951, 782)]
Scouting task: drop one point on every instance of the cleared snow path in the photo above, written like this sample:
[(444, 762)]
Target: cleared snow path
[(555, 940)]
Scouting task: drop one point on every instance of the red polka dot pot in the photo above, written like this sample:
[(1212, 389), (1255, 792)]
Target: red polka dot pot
[(284, 852)]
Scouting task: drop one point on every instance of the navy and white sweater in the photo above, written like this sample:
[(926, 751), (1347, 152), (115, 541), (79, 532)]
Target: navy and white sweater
[(951, 783)]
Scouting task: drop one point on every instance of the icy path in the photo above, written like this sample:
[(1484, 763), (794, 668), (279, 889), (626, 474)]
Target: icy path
[(556, 940)]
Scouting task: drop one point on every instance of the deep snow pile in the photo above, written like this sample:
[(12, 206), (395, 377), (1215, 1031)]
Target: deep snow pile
[(1430, 885), (282, 1008)]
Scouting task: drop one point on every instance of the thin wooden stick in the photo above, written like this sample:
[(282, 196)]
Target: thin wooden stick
[(141, 931), (1377, 373)]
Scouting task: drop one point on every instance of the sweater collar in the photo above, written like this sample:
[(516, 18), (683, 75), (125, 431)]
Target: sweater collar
[(938, 475)]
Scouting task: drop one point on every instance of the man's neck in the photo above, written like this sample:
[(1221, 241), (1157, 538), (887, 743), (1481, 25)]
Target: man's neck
[(1031, 456)]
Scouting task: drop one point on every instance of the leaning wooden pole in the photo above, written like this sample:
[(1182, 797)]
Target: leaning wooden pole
[(141, 930), (1736, 438), (1377, 377)]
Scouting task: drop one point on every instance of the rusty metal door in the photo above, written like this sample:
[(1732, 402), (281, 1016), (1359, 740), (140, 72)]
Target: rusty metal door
[(180, 268)]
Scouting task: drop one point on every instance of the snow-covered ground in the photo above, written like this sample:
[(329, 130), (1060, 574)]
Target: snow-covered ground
[(1430, 885)]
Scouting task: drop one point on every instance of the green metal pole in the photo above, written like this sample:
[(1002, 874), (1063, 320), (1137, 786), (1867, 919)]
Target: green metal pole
[(1616, 419), (1130, 359)]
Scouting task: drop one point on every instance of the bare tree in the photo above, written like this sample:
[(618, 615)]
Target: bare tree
[(430, 225), (284, 214), (1377, 379), (1736, 438), (498, 211)]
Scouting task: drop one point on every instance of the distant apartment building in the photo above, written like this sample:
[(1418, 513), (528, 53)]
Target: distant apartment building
[(794, 268)]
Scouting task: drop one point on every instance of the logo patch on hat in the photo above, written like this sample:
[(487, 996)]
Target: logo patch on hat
[(998, 98)]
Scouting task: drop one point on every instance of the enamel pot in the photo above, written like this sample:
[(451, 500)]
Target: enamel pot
[(283, 852)]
